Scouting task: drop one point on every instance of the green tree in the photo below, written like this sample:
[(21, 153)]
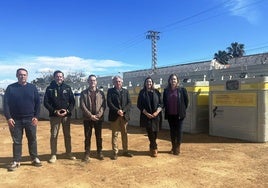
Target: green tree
[(43, 81), (222, 57), (73, 79), (236, 49)]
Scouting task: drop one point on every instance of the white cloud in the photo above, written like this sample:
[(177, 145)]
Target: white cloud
[(6, 82), (245, 9), (39, 65)]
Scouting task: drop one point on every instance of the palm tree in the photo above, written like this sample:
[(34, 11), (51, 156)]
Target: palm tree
[(222, 57), (236, 49)]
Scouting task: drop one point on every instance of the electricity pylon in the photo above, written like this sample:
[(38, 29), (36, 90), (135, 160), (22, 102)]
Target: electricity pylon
[(153, 35)]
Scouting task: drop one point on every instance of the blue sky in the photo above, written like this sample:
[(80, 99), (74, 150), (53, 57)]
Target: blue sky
[(107, 37)]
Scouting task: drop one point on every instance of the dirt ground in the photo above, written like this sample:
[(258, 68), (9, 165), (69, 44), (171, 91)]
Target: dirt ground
[(205, 161)]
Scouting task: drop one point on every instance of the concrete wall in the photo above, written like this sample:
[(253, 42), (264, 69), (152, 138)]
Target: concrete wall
[(239, 109)]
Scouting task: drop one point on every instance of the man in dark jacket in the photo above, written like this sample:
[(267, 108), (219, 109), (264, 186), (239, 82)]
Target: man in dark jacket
[(59, 101), (119, 103), (93, 104)]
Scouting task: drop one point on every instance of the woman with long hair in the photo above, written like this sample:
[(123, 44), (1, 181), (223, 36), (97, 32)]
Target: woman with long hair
[(150, 105), (175, 99)]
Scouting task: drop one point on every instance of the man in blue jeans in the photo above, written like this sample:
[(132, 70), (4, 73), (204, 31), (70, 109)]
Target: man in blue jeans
[(22, 109)]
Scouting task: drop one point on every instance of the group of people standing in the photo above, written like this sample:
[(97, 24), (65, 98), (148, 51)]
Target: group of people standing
[(22, 110)]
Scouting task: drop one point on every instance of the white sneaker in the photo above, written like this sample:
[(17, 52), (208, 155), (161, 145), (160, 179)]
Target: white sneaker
[(71, 157), (13, 166), (36, 162), (53, 159)]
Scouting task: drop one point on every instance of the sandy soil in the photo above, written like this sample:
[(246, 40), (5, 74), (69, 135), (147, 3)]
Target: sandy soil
[(205, 161)]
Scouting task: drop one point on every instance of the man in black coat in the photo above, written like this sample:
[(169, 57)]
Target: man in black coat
[(119, 103), (59, 101)]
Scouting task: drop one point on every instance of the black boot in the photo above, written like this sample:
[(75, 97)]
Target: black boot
[(177, 149), (100, 155), (173, 149)]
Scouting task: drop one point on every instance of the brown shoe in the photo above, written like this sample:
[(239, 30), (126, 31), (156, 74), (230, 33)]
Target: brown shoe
[(154, 152)]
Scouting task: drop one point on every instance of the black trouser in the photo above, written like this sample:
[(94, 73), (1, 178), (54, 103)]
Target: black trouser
[(152, 135), (88, 126), (176, 130)]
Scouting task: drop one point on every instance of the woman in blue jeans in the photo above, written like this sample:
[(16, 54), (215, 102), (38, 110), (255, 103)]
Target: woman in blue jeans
[(175, 99)]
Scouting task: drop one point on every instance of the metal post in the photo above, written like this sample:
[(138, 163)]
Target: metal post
[(153, 35)]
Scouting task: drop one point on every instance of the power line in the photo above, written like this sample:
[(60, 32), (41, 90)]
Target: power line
[(194, 15), (172, 26), (139, 38), (165, 28), (132, 42)]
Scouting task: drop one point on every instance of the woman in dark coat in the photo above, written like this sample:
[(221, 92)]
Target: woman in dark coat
[(150, 105), (175, 99)]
